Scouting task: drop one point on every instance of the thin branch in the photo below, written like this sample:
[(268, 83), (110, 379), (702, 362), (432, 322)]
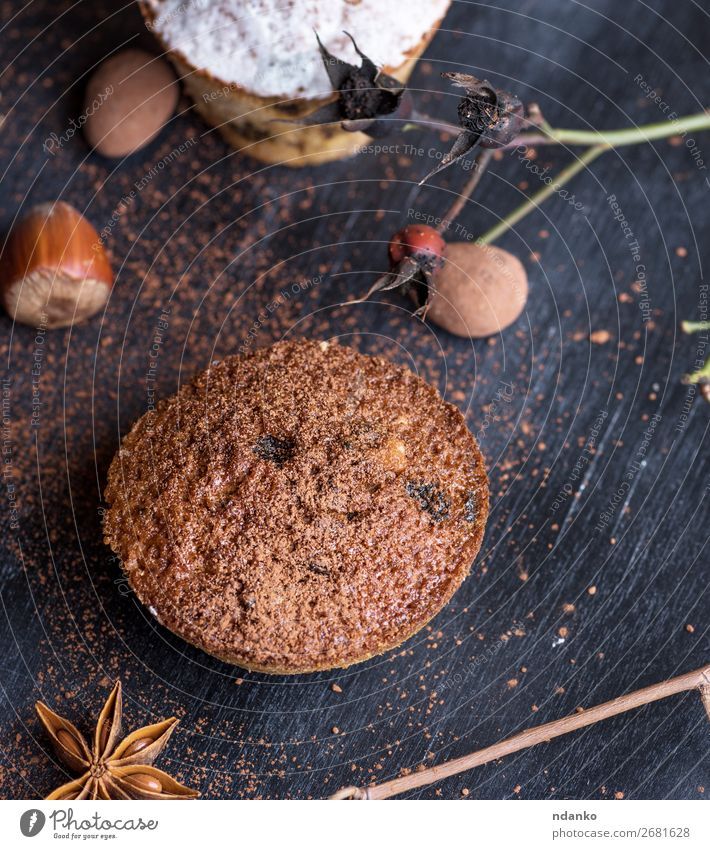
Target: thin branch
[(699, 679), (546, 134), (633, 135), (535, 200), (482, 161)]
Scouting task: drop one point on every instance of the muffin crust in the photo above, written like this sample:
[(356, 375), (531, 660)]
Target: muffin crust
[(299, 508)]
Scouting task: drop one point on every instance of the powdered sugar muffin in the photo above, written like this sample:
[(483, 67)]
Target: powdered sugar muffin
[(248, 63)]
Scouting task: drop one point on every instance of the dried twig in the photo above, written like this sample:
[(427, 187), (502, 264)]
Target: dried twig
[(482, 161), (699, 680)]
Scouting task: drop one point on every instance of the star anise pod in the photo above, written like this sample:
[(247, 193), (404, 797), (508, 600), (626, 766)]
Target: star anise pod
[(365, 95), (111, 769), (488, 117)]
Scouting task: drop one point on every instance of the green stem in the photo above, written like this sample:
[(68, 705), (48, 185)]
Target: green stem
[(535, 200), (702, 375), (597, 142), (694, 326), (633, 135), (545, 134)]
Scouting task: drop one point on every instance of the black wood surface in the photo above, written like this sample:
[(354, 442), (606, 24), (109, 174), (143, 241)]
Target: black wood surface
[(211, 236)]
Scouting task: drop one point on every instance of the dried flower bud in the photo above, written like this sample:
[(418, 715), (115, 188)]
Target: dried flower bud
[(488, 117), (415, 253), (496, 114), (365, 96)]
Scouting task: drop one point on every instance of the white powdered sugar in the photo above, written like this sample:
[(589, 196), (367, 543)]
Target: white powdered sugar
[(268, 47)]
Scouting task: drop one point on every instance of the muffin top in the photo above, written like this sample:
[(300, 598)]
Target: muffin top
[(268, 47), (299, 508)]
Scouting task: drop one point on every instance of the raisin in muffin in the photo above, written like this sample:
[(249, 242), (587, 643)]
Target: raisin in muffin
[(299, 508), (249, 63)]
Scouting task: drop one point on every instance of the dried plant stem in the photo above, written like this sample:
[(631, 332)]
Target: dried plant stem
[(535, 200), (482, 161), (598, 142), (699, 680), (528, 138), (611, 138)]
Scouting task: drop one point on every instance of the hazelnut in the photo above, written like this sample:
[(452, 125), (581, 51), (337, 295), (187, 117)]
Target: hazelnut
[(479, 290), (53, 270), (127, 101)]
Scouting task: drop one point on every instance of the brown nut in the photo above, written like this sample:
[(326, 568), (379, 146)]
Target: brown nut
[(67, 739), (480, 290), (137, 746), (127, 102), (141, 781), (54, 271)]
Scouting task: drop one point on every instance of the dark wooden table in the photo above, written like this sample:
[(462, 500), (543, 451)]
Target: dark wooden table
[(211, 235)]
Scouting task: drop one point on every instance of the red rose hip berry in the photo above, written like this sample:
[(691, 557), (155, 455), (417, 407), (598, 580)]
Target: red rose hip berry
[(416, 240)]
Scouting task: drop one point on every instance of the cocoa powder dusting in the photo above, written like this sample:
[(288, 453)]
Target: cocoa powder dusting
[(319, 547)]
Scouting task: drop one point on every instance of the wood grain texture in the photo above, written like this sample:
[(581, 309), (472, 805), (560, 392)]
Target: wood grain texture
[(533, 736), (212, 236)]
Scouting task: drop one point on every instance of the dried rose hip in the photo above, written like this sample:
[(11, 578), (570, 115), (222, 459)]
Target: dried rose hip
[(489, 118), (419, 241), (368, 100), (415, 253)]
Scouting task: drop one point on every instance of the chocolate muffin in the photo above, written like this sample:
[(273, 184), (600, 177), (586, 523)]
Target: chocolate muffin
[(299, 508)]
